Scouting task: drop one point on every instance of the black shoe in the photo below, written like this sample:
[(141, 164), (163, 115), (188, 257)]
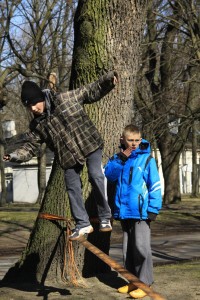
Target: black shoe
[(77, 232), (105, 226)]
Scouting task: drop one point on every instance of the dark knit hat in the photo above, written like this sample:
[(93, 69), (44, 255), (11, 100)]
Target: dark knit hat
[(31, 93)]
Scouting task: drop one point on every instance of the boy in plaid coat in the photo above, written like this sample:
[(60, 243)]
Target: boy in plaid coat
[(62, 123)]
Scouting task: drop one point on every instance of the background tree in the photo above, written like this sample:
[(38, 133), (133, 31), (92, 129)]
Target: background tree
[(40, 38), (7, 74), (104, 34), (166, 94)]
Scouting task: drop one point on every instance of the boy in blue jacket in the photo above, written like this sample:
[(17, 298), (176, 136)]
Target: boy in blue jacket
[(137, 202)]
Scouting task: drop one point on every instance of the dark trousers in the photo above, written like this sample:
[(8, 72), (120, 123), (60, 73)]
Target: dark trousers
[(74, 189), (137, 254)]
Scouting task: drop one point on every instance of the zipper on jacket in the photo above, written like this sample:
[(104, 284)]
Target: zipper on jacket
[(121, 185), (130, 175), (140, 206)]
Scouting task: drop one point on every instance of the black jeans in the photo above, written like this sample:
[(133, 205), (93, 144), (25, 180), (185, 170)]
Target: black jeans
[(74, 189)]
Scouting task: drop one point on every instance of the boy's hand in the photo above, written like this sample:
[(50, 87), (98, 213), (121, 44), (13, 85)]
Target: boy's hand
[(124, 154), (127, 151), (6, 157), (151, 216)]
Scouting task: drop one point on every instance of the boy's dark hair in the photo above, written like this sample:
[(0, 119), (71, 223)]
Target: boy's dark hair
[(131, 128)]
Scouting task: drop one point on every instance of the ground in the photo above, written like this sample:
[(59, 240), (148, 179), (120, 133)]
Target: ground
[(179, 280)]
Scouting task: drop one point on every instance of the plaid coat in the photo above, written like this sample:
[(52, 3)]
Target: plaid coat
[(67, 130)]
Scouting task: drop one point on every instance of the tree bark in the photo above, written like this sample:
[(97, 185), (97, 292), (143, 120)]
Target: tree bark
[(42, 260), (108, 36), (105, 32), (170, 156), (42, 160)]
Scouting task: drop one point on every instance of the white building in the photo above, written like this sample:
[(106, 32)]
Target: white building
[(22, 181), (185, 172)]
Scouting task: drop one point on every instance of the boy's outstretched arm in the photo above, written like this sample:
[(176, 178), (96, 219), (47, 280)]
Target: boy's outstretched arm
[(95, 91), (30, 148)]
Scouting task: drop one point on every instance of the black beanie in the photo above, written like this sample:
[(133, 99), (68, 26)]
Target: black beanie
[(31, 93)]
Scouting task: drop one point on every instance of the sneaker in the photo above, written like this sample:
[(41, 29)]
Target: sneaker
[(105, 226), (127, 288), (137, 294), (77, 232)]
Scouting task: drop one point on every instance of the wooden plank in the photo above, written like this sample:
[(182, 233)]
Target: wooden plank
[(109, 261), (121, 270)]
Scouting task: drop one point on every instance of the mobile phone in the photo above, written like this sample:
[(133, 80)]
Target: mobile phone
[(122, 146)]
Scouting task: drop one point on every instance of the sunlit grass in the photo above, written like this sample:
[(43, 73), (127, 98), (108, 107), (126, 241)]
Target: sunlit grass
[(192, 267), (187, 210), (20, 217), (18, 213)]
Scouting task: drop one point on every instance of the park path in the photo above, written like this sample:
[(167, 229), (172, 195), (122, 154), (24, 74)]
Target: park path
[(165, 249)]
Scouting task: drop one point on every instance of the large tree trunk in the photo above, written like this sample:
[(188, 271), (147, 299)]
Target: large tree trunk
[(42, 163), (170, 164), (43, 257), (107, 36)]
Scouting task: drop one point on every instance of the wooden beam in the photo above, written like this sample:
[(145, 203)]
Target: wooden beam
[(117, 267)]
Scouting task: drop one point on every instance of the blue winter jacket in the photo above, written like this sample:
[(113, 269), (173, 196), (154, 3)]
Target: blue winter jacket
[(138, 187)]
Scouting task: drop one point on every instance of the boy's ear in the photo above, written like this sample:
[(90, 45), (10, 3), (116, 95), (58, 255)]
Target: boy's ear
[(121, 140), (122, 145)]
